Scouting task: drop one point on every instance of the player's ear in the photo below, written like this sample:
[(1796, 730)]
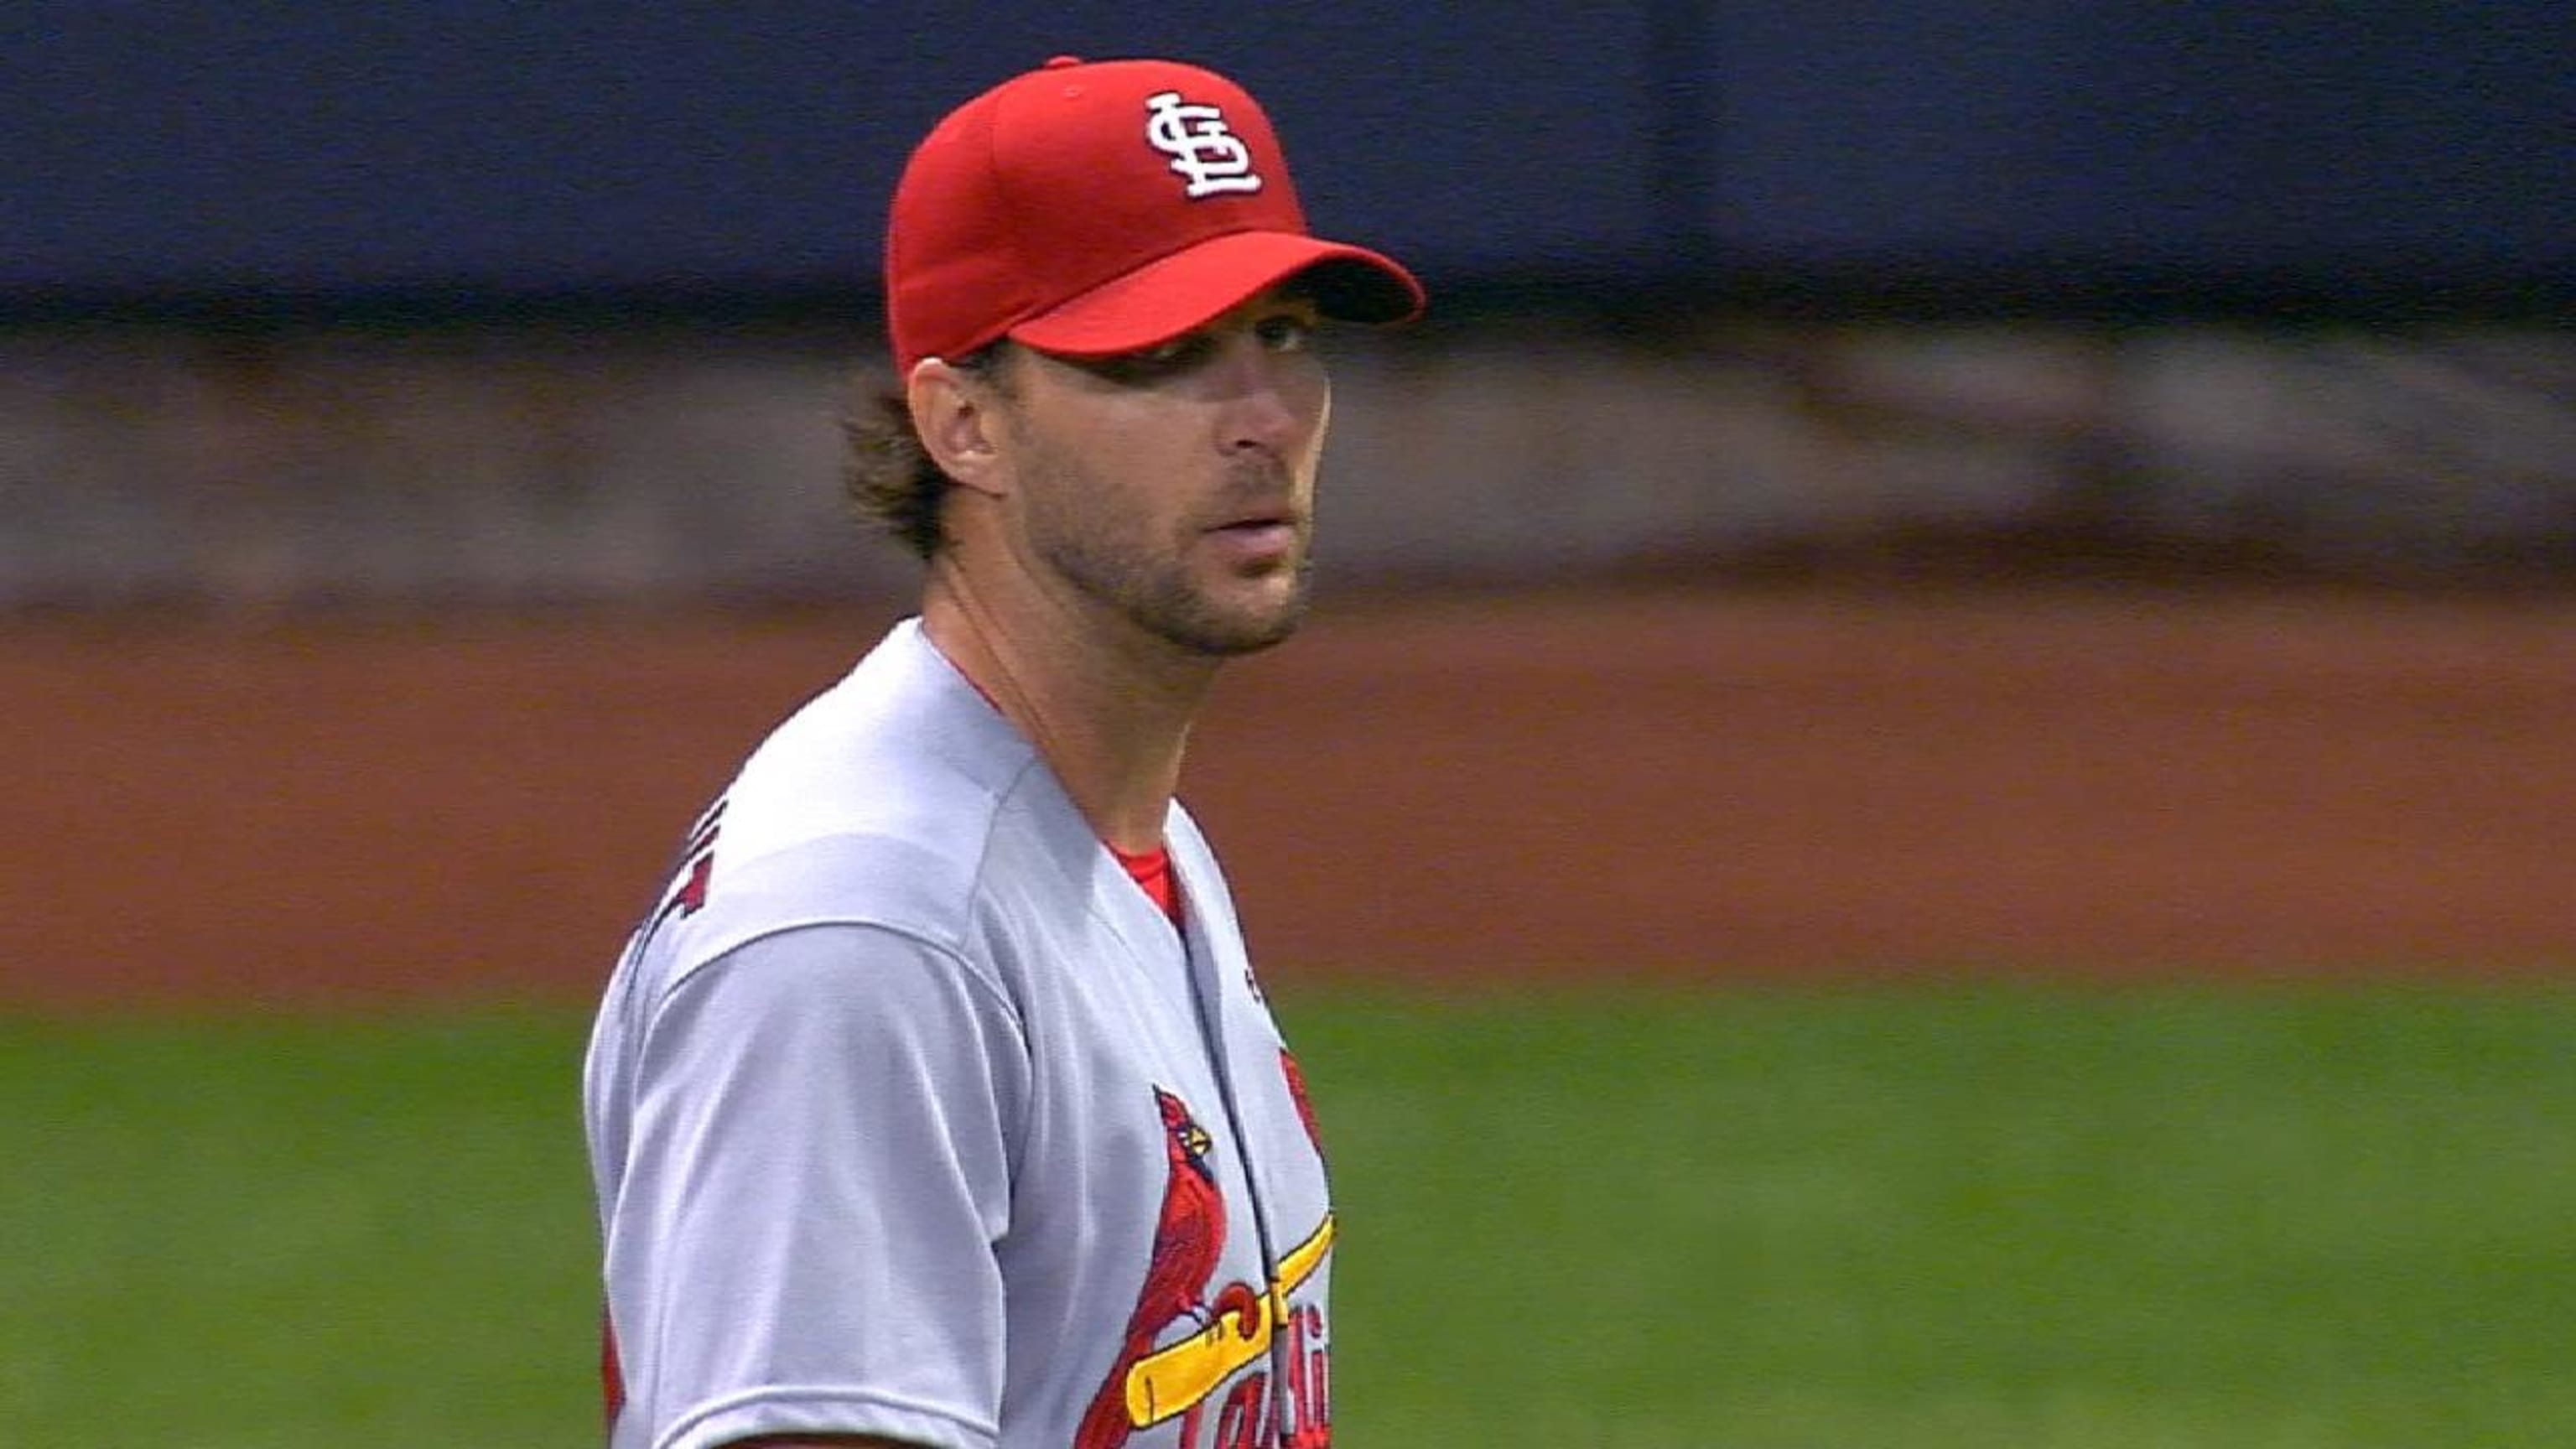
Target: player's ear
[(954, 411)]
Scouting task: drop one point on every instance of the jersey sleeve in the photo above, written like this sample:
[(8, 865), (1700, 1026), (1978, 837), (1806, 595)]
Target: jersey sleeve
[(818, 1169)]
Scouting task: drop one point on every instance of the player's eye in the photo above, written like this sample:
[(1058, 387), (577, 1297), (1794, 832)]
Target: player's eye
[(1173, 353), (1147, 364), (1286, 331)]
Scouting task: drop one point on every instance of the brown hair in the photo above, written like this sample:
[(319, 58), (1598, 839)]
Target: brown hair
[(889, 477)]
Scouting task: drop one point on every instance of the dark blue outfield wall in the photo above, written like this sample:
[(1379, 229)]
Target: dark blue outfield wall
[(331, 149)]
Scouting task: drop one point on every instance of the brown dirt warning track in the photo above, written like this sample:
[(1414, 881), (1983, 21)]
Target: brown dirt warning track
[(1765, 786)]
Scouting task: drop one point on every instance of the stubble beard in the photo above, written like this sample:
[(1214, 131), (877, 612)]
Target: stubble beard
[(1154, 588), (1158, 594)]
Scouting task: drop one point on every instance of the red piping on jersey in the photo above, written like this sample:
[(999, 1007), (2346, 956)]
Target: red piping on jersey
[(1152, 872)]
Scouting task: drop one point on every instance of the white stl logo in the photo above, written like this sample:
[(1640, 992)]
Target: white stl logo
[(1210, 157)]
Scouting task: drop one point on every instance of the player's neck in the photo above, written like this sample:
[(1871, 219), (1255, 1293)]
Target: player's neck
[(1111, 716)]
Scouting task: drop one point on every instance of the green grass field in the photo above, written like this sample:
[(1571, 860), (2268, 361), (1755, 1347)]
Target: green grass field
[(1868, 1219)]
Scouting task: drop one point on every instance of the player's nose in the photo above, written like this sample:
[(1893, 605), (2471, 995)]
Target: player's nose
[(1273, 401)]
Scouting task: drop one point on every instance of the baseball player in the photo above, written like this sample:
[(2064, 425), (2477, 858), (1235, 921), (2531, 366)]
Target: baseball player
[(935, 1103)]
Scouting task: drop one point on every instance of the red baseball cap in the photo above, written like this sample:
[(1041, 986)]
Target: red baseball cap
[(1094, 208)]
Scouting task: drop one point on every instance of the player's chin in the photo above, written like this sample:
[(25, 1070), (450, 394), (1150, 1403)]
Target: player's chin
[(1251, 615)]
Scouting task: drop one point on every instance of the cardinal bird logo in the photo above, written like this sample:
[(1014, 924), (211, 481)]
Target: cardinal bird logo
[(1189, 1238), (1231, 1328)]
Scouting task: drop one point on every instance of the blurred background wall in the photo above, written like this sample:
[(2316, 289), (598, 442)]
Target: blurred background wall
[(474, 301)]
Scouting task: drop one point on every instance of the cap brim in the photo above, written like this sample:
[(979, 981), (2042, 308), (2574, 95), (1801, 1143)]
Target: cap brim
[(1165, 298)]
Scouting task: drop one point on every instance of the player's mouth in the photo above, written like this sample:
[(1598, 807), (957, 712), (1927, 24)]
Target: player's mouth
[(1258, 540)]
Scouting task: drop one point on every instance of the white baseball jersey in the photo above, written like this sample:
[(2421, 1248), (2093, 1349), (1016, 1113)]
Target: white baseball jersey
[(911, 1115)]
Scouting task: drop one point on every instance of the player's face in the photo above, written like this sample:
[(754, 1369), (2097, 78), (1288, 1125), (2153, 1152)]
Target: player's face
[(1175, 487)]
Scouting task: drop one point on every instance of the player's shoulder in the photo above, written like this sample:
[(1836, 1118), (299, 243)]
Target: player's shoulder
[(901, 743), (883, 802)]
